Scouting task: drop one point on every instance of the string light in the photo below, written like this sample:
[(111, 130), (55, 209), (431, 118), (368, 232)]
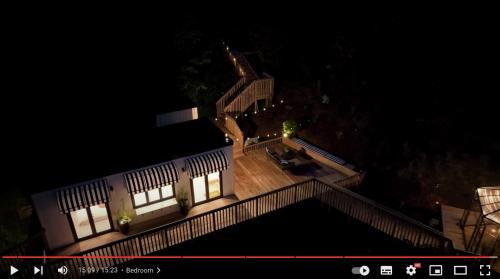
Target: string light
[(264, 109), (255, 112), (273, 105), (281, 101), (216, 119), (246, 115)]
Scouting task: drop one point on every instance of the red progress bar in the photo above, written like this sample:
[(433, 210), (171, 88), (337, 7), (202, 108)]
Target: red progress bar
[(249, 257)]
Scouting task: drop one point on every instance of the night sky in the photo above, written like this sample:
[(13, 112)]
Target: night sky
[(75, 76)]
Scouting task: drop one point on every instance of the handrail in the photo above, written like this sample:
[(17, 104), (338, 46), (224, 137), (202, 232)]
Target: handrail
[(358, 207), (262, 144), (382, 207), (232, 126), (257, 90), (221, 103)]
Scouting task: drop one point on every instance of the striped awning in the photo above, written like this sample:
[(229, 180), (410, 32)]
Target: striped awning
[(206, 163), (151, 178), (83, 195)]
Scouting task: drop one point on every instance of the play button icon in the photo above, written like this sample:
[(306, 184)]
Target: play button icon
[(13, 270), (364, 270)]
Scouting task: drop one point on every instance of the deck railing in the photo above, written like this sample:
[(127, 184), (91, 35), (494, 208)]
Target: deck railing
[(261, 145), (221, 103), (261, 89), (358, 207), (232, 126), (386, 220)]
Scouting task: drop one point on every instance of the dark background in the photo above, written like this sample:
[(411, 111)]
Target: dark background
[(425, 78)]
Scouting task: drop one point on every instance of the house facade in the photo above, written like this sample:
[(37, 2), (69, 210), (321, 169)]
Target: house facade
[(191, 159)]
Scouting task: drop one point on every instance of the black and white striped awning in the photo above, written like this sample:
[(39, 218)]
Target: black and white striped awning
[(151, 178), (83, 195), (206, 163)]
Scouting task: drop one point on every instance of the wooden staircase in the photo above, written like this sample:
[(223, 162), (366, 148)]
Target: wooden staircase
[(249, 89)]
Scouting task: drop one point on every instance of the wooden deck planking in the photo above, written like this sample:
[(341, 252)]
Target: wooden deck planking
[(256, 174), (451, 217)]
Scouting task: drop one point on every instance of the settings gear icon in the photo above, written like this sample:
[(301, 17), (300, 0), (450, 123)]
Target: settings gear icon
[(411, 270)]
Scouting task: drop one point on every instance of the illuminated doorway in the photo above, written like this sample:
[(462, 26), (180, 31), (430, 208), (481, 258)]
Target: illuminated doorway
[(90, 221), (206, 188)]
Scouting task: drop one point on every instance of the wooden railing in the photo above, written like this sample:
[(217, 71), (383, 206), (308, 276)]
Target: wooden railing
[(242, 66), (384, 219), (261, 145), (257, 90), (358, 207), (221, 103), (232, 126), (174, 233)]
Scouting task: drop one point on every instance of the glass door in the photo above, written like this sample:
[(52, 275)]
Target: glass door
[(90, 221), (81, 223), (100, 217), (199, 189)]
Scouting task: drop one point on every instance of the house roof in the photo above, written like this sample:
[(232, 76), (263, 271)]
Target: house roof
[(79, 157)]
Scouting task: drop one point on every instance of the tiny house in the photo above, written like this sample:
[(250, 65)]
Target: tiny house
[(141, 171)]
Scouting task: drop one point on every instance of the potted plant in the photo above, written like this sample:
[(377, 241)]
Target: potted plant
[(289, 128), (124, 219), (182, 200)]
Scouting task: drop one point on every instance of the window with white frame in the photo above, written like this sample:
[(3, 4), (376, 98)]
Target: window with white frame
[(153, 196)]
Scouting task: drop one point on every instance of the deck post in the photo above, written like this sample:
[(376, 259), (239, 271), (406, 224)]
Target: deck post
[(191, 229)]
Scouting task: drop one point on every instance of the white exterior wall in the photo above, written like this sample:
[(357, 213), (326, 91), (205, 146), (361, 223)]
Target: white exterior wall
[(169, 118), (57, 227)]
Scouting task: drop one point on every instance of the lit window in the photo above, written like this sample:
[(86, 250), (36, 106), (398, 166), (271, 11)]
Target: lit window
[(167, 191), (81, 223), (154, 195), (199, 190), (140, 199), (213, 185)]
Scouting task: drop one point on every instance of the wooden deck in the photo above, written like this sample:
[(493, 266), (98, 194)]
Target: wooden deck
[(451, 229), (460, 237), (138, 228), (255, 174)]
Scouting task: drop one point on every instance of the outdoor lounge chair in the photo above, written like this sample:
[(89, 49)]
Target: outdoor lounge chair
[(274, 156)]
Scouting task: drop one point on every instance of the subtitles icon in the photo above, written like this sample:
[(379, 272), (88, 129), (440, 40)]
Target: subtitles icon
[(386, 270)]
